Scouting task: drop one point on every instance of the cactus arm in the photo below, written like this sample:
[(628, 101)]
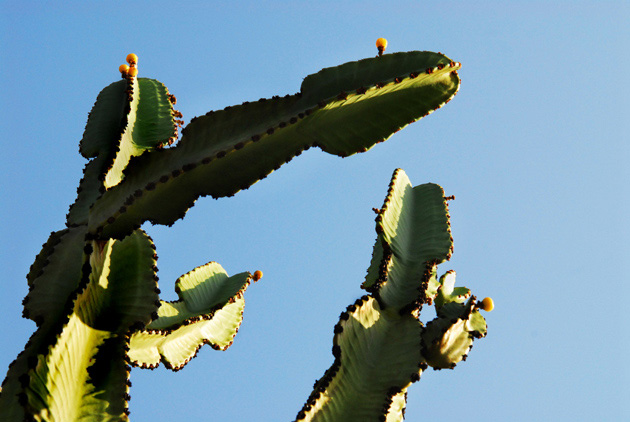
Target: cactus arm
[(413, 236), (220, 155), (76, 377), (209, 311), (55, 274), (377, 356), (106, 120), (177, 346), (380, 346), (150, 124)]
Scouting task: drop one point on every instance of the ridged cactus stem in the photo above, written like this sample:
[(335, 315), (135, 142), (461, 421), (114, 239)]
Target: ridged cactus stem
[(93, 290)]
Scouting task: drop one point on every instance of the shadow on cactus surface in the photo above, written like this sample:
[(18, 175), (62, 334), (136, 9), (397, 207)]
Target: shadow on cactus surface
[(93, 290)]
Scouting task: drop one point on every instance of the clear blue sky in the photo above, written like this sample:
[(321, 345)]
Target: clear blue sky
[(534, 147)]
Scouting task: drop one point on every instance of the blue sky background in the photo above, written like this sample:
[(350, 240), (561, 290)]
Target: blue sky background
[(534, 147)]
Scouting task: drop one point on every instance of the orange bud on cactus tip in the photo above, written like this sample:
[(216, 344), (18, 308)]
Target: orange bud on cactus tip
[(123, 68), (133, 71), (132, 59), (257, 275), (487, 304), (381, 44)]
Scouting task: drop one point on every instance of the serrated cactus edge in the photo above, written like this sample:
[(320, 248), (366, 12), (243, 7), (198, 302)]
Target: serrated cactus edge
[(93, 288)]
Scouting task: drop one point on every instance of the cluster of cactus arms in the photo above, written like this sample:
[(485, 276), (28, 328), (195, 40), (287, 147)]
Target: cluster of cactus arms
[(93, 290)]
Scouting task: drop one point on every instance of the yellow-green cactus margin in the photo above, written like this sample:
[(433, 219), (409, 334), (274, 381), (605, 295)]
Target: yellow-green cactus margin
[(209, 311)]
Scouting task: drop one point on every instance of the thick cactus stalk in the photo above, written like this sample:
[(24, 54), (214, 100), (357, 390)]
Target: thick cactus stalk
[(380, 346), (93, 287)]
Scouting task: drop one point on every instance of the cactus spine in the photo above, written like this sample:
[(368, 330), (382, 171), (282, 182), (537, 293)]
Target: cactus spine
[(93, 290)]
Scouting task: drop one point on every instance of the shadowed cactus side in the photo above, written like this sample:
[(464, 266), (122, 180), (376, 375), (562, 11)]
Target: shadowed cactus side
[(93, 290)]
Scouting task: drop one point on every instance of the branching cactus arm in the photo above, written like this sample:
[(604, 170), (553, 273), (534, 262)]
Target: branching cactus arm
[(380, 346), (342, 110)]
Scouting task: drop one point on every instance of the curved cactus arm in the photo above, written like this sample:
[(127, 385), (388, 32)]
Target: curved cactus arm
[(380, 346), (150, 124), (106, 120), (413, 237), (209, 311), (219, 155), (82, 374), (377, 357), (176, 347), (129, 117), (55, 274)]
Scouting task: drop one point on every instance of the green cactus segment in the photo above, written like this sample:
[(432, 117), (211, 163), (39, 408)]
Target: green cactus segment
[(120, 293), (448, 338), (355, 121), (90, 189), (209, 311), (176, 347), (55, 274), (377, 357), (150, 125), (413, 237), (105, 121), (350, 76), (229, 150), (448, 293), (155, 125)]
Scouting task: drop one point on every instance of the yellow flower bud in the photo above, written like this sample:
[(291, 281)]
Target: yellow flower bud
[(132, 58), (487, 304)]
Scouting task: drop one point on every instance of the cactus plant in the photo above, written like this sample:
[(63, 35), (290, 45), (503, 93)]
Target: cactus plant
[(93, 290)]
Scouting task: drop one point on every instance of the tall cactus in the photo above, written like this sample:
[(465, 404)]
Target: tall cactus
[(93, 290)]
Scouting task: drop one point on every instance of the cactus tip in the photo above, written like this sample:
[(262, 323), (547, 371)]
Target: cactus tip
[(381, 44), (487, 304), (257, 275)]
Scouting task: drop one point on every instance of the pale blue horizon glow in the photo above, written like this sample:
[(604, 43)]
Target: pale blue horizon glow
[(534, 147)]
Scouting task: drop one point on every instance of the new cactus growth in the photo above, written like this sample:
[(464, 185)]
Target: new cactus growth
[(93, 290)]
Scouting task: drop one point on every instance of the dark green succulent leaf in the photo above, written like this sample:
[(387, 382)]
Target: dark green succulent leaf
[(55, 274), (106, 120), (229, 150), (414, 236), (90, 189), (154, 126), (377, 357)]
